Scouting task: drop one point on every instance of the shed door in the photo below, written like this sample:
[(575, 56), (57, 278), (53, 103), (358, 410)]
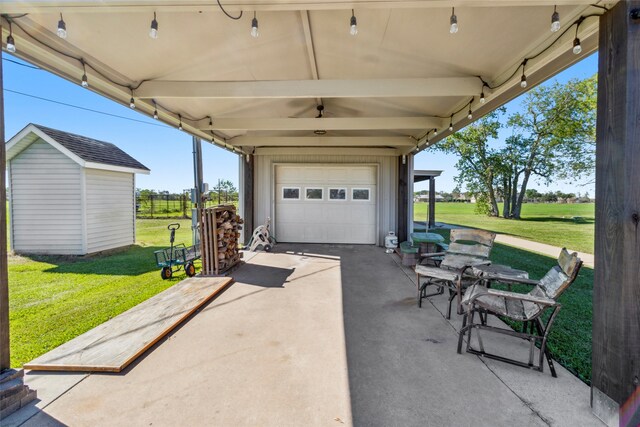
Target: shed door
[(325, 204)]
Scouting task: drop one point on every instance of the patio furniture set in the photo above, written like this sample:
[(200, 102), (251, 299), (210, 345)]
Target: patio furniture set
[(464, 269)]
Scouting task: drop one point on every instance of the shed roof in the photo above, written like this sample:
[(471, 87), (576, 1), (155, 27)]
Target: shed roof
[(87, 152)]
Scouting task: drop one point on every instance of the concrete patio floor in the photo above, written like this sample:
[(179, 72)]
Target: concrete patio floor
[(313, 335)]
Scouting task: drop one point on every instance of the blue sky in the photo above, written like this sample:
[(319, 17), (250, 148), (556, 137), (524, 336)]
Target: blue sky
[(167, 151)]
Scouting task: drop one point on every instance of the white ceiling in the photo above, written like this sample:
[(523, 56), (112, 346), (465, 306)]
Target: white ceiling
[(402, 75)]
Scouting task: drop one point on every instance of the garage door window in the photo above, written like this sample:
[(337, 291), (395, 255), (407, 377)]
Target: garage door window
[(291, 193), (360, 194), (314, 193), (337, 194)]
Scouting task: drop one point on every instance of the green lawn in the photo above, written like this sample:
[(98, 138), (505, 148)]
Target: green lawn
[(549, 223), (53, 299), (570, 338)]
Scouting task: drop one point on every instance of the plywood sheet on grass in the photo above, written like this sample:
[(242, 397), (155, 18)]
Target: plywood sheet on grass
[(116, 343)]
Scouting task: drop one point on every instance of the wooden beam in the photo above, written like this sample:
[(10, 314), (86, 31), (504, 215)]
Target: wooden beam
[(322, 141), (326, 123), (368, 88), (616, 289), (5, 360), (119, 6), (432, 203), (247, 196)]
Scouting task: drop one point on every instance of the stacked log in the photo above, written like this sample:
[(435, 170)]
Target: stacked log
[(220, 232)]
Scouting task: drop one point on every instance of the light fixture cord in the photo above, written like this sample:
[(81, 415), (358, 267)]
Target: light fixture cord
[(235, 18)]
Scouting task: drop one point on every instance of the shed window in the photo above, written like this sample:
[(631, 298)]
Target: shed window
[(314, 193), (291, 193), (337, 194)]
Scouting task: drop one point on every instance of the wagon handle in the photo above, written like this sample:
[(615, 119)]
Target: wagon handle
[(173, 227)]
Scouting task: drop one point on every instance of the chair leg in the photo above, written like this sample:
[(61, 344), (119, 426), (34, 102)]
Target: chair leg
[(452, 296), (462, 331), (544, 351)]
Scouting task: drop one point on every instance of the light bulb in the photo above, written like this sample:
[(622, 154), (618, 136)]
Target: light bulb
[(470, 115), (555, 21), (482, 100), (11, 45), (62, 28), (153, 31), (155, 114), (453, 21), (577, 48), (254, 27), (353, 29), (180, 126), (435, 132), (85, 82), (248, 158), (132, 103), (180, 122), (450, 127), (523, 81)]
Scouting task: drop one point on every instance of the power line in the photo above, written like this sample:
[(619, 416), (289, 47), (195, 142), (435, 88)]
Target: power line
[(85, 108), (22, 64)]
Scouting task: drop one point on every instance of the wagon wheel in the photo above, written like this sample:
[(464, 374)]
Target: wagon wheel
[(166, 273), (267, 248), (190, 269)]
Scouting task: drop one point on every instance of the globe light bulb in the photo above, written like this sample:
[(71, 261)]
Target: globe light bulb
[(577, 48), (470, 115), (254, 27), (132, 104), (11, 45), (453, 22), (523, 81), (353, 29), (155, 114), (555, 21), (85, 82), (450, 127), (62, 28), (153, 31), (482, 99)]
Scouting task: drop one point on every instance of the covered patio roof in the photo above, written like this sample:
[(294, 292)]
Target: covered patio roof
[(399, 83)]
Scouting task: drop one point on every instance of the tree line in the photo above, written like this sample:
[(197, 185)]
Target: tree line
[(552, 137)]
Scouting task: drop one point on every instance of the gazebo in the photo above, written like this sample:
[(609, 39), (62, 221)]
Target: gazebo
[(354, 90)]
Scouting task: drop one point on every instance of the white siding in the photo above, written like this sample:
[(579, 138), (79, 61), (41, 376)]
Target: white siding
[(109, 209), (264, 195), (46, 202)]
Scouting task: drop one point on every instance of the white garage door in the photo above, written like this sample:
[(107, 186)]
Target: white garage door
[(325, 204)]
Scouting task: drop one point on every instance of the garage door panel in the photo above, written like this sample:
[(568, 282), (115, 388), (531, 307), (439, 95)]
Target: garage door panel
[(350, 220)]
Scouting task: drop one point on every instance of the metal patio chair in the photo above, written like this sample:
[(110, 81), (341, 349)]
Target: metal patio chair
[(527, 308), (467, 248)]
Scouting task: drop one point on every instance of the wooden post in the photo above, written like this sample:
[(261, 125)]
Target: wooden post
[(247, 198), (5, 359), (403, 198), (616, 288), (432, 203)]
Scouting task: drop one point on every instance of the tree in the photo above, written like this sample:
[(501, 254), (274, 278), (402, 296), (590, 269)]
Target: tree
[(555, 136), (478, 164)]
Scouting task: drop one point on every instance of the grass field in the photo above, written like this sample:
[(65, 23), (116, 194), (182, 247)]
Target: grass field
[(53, 299), (570, 338), (549, 223)]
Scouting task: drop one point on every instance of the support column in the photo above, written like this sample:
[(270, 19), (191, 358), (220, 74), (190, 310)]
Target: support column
[(197, 185), (432, 203), (247, 197), (403, 198), (4, 281), (616, 288)]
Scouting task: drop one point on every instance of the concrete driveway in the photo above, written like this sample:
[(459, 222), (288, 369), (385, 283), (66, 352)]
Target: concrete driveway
[(313, 335)]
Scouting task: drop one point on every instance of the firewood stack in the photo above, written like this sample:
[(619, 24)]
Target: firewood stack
[(219, 236)]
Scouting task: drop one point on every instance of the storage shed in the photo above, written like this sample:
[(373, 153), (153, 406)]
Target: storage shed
[(69, 194)]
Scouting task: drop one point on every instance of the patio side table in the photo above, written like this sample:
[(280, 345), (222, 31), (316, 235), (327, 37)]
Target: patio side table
[(428, 241)]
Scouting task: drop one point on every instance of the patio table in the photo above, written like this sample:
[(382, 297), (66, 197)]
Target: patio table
[(428, 241)]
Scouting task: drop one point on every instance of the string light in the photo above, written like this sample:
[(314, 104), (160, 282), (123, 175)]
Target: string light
[(153, 31), (555, 20), (435, 132), (404, 159), (453, 21), (180, 122), (62, 28), (85, 81), (210, 124), (132, 103), (577, 48), (470, 114), (482, 98), (247, 157), (155, 110), (254, 26), (523, 79), (353, 25), (11, 44), (451, 124)]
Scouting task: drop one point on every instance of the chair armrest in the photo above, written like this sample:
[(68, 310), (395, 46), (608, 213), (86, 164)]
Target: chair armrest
[(514, 280), (521, 297), (431, 254)]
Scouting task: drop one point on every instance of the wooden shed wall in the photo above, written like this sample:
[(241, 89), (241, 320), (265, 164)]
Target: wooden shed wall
[(45, 194), (387, 186), (110, 209)]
